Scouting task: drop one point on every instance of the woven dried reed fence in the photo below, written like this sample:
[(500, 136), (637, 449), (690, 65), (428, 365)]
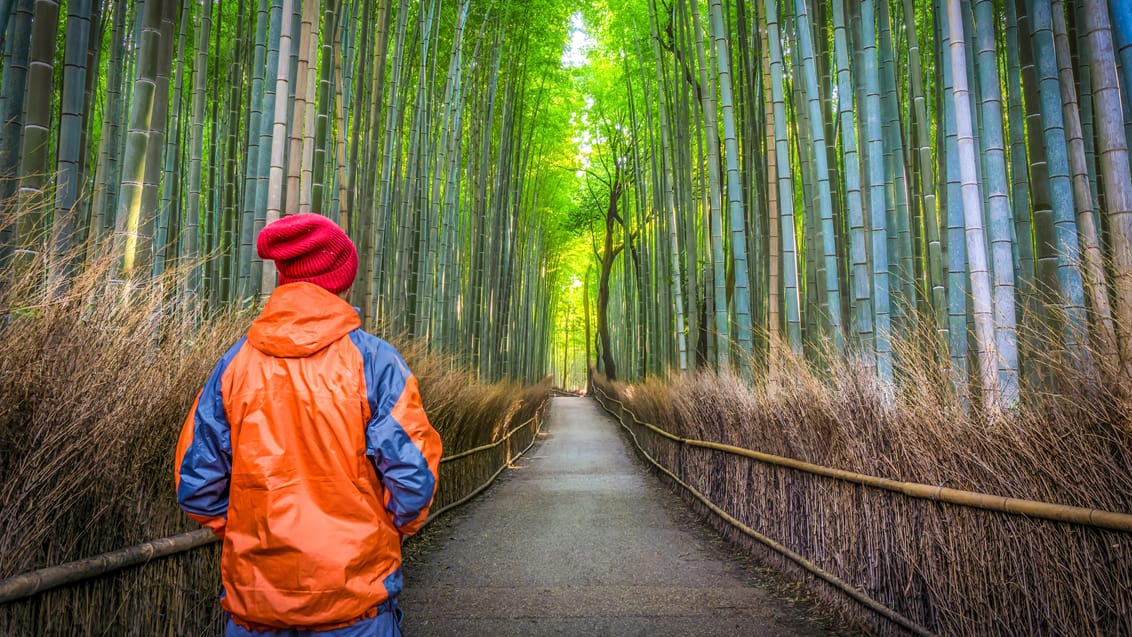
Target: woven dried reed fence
[(117, 592), (900, 558)]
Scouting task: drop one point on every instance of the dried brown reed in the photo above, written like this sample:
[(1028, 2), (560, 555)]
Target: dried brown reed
[(953, 570), (95, 381)]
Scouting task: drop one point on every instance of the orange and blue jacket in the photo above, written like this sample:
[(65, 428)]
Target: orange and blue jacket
[(309, 453)]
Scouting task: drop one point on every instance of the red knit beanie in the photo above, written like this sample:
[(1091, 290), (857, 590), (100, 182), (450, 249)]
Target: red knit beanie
[(312, 248)]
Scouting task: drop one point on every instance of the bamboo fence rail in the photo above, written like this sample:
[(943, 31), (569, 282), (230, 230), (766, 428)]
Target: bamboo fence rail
[(536, 420), (28, 584)]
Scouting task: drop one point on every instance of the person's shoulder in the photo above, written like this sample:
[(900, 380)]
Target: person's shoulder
[(376, 347), (226, 360), (370, 341)]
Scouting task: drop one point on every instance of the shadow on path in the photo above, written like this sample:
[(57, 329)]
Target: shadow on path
[(579, 539)]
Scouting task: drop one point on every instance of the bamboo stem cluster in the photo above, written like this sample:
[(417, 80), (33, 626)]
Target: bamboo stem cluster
[(182, 127), (920, 168)]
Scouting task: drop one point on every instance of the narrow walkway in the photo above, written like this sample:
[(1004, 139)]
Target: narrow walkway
[(580, 539)]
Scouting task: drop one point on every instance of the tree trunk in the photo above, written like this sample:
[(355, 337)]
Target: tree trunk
[(608, 255)]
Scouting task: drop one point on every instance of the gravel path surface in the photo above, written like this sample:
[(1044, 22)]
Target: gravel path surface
[(580, 539)]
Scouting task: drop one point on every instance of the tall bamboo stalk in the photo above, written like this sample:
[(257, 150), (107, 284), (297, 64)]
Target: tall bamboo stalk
[(998, 210), (35, 147), (977, 269), (1019, 166), (279, 127), (69, 179), (301, 152), (927, 189), (862, 307), (832, 301), (191, 246), (878, 219), (742, 295), (708, 108), (785, 182), (1089, 247), (669, 197), (245, 254), (128, 225), (17, 51), (1113, 150), (1120, 20), (168, 218), (1061, 190)]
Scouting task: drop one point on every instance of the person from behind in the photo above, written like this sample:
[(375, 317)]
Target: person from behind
[(308, 453)]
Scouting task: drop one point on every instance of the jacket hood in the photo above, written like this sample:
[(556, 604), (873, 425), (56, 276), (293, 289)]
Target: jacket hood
[(301, 319)]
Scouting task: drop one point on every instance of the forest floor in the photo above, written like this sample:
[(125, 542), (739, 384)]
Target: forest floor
[(579, 538)]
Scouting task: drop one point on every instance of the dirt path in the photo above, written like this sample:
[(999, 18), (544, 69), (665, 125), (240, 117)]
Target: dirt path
[(579, 539)]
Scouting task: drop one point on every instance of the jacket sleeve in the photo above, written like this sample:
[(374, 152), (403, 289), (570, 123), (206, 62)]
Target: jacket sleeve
[(404, 447), (204, 454)]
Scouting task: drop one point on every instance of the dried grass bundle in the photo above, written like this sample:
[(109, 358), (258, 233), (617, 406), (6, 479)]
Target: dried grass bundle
[(95, 379)]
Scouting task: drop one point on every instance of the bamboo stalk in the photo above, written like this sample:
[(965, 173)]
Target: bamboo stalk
[(785, 187), (879, 231), (277, 176), (828, 283)]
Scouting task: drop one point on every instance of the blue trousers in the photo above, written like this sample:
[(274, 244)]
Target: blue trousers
[(387, 623)]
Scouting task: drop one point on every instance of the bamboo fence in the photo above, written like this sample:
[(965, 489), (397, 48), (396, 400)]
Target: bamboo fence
[(464, 475), (922, 559)]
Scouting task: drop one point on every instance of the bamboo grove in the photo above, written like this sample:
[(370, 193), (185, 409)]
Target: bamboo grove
[(173, 130), (843, 177), (838, 178)]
